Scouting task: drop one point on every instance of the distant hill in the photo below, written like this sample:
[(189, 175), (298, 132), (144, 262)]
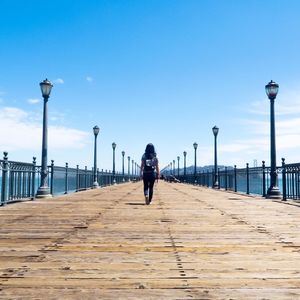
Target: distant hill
[(190, 169)]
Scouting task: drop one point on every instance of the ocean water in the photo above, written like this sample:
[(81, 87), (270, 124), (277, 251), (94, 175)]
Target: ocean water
[(59, 183)]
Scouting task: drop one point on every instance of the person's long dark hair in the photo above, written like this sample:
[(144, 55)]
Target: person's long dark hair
[(150, 151)]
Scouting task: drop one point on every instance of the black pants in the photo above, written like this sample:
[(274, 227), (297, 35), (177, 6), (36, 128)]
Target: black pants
[(149, 179)]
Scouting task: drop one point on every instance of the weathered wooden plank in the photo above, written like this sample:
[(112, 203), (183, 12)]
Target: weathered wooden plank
[(191, 243)]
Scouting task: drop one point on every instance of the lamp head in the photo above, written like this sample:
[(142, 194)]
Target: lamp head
[(96, 130), (46, 87), (272, 89), (215, 130)]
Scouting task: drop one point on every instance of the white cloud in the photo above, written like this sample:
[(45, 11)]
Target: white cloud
[(59, 81), (288, 126), (89, 79), (33, 101), (19, 130)]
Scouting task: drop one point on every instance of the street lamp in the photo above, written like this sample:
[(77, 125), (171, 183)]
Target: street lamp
[(178, 158), (114, 145), (96, 130), (195, 164), (184, 156), (123, 154), (132, 167), (128, 168), (273, 190), (44, 191), (215, 130), (174, 166)]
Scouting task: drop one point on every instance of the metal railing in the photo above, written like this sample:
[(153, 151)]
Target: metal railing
[(249, 180), (20, 181)]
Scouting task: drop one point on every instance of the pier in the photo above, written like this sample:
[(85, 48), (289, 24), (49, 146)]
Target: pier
[(192, 242)]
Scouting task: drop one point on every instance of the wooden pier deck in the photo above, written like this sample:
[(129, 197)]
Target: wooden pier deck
[(191, 243)]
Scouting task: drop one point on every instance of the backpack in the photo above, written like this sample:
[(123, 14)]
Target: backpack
[(149, 163)]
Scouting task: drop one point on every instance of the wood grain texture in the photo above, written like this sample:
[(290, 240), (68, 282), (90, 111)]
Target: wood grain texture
[(190, 243)]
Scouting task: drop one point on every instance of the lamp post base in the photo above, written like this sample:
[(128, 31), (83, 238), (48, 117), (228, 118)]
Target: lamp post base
[(273, 193), (43, 192), (215, 185), (95, 185)]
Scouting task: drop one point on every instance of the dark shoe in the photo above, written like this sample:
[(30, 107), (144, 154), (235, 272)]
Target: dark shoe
[(147, 201)]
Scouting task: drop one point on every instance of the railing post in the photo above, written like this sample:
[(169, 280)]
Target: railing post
[(235, 178), (218, 178), (226, 186), (85, 177), (52, 177), (283, 180), (98, 177), (264, 178), (247, 176), (207, 177), (28, 176), (101, 179), (77, 178), (4, 179), (66, 179), (33, 177)]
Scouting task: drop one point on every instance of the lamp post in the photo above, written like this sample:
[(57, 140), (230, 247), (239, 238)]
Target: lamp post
[(128, 168), (44, 191), (184, 156), (215, 130), (96, 130), (174, 166), (178, 158), (123, 154), (114, 145), (195, 163), (273, 190), (132, 167)]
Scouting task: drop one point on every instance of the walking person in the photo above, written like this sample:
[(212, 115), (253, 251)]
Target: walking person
[(149, 171)]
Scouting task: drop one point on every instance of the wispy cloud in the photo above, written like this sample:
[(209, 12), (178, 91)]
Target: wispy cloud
[(57, 116), (287, 124), (89, 78), (287, 103), (58, 81), (33, 101)]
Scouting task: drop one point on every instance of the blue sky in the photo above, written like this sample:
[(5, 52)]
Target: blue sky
[(148, 71)]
